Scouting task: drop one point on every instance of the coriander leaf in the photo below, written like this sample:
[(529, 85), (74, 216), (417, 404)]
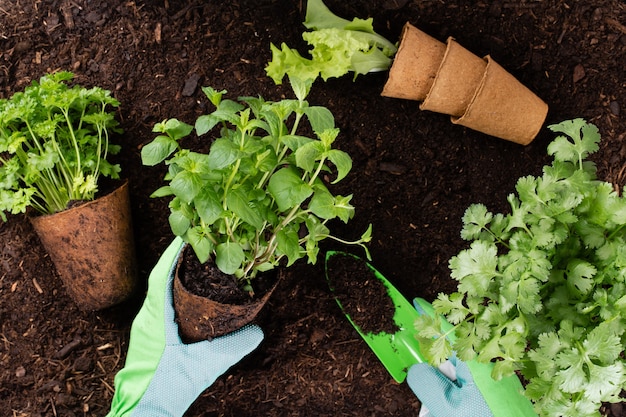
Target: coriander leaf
[(543, 356), (581, 140), (603, 344), (573, 375), (470, 340), (475, 221), (475, 268), (451, 306), (433, 344), (605, 382), (579, 275)]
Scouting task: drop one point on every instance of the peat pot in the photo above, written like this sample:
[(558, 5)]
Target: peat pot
[(415, 65), (92, 248), (202, 318), (474, 91), (456, 82), (503, 107)]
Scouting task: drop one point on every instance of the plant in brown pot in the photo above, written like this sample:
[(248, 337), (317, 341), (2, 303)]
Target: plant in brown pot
[(54, 145), (258, 199)]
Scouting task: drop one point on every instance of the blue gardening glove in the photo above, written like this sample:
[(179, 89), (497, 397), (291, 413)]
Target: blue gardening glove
[(448, 391), (162, 376), (460, 389)]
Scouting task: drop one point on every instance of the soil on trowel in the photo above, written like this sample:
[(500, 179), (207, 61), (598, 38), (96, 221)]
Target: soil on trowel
[(363, 297)]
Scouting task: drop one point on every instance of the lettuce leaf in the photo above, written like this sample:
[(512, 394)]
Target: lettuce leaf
[(338, 46)]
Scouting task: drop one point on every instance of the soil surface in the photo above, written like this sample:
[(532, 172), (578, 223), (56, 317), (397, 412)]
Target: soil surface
[(363, 297), (414, 174)]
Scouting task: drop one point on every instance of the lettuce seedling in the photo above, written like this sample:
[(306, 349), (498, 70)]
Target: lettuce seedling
[(542, 290), (54, 144), (260, 195), (338, 47)]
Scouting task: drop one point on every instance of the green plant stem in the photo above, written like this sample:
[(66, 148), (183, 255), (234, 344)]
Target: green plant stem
[(615, 232), (299, 115), (231, 177), (100, 148), (74, 142)]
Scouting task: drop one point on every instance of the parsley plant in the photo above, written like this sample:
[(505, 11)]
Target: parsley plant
[(54, 143), (542, 290)]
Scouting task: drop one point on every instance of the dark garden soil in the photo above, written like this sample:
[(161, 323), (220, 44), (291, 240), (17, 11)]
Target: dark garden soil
[(363, 297), (209, 303), (414, 174), (221, 286)]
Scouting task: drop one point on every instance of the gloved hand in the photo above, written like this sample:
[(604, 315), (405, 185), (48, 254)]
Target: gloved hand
[(162, 376), (465, 389)]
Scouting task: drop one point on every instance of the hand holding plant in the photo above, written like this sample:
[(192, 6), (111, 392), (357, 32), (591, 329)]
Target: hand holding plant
[(542, 290), (258, 195), (54, 143)]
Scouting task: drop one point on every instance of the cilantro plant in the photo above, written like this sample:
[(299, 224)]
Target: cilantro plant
[(338, 47), (54, 143), (542, 290), (258, 196)]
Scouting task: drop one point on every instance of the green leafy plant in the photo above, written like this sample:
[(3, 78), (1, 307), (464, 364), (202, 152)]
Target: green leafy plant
[(54, 143), (542, 290), (258, 196), (338, 46)]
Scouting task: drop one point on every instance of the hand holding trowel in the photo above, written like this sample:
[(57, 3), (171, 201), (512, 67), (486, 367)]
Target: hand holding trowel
[(455, 389)]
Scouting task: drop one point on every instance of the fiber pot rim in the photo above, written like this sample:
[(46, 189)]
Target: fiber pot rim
[(200, 318)]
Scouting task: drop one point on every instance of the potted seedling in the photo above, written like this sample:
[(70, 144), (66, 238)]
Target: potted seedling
[(475, 91), (542, 289), (54, 145), (257, 200)]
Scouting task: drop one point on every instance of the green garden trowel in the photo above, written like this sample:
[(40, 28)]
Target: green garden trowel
[(400, 350)]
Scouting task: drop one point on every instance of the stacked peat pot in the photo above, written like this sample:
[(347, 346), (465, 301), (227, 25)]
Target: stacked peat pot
[(476, 92)]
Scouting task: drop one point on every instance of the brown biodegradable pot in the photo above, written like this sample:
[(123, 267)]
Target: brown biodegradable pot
[(415, 65), (457, 80), (92, 248), (503, 107), (200, 318)]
